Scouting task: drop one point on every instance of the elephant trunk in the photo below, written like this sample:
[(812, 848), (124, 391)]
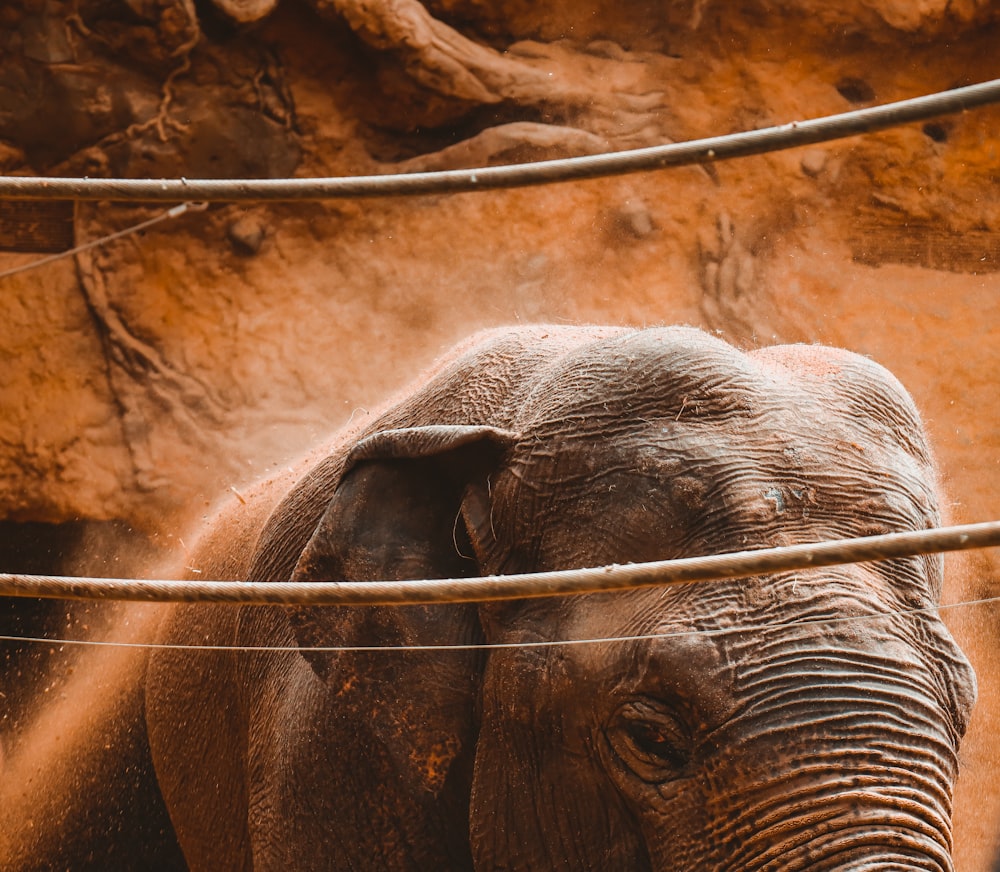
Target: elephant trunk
[(853, 830), (844, 757)]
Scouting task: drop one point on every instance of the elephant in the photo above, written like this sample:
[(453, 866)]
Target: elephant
[(799, 720)]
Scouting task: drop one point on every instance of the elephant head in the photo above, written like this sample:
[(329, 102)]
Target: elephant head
[(803, 720)]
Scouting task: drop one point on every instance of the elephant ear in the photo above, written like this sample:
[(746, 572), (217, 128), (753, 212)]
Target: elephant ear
[(400, 511), (405, 720)]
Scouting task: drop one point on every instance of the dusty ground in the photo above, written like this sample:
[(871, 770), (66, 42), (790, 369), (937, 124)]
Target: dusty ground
[(144, 378)]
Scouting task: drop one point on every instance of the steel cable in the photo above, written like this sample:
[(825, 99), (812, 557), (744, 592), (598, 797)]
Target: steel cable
[(744, 144), (572, 582), (486, 646), (174, 212)]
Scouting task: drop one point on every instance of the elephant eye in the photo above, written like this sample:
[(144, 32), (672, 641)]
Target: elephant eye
[(650, 740), (655, 742)]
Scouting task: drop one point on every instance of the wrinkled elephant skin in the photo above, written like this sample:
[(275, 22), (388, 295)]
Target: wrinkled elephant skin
[(806, 720)]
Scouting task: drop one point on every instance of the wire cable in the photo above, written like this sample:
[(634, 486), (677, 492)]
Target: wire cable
[(489, 646), (174, 212), (571, 582), (698, 151)]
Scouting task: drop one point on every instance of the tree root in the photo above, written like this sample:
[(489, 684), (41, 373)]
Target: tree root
[(517, 142), (603, 94), (137, 372), (435, 55), (570, 88)]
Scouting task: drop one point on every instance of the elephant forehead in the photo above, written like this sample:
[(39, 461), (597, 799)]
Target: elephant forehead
[(659, 370), (703, 412), (862, 390), (680, 376), (664, 489)]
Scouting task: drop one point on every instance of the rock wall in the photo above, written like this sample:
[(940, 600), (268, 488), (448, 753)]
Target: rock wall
[(146, 376)]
